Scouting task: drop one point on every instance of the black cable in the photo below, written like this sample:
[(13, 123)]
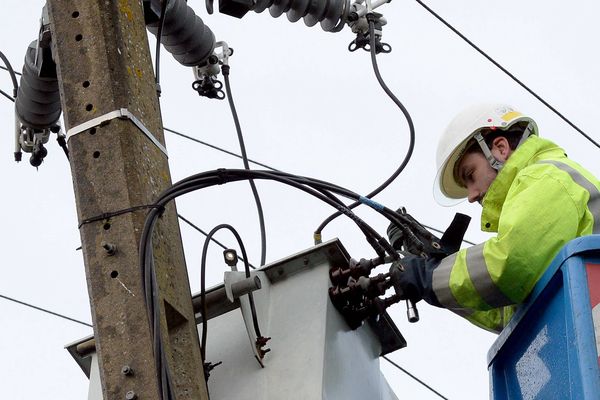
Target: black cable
[(62, 142), (46, 311), (206, 234), (266, 166), (414, 377), (408, 120), (317, 188), (12, 73), (238, 129), (222, 176), (161, 22), (203, 285), (514, 78), (212, 146), (8, 96)]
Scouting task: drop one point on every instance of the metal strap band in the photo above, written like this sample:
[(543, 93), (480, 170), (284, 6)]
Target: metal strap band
[(441, 283), (122, 113), (482, 280), (593, 201)]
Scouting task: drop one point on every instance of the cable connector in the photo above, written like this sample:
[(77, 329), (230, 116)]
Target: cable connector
[(359, 23), (206, 83)]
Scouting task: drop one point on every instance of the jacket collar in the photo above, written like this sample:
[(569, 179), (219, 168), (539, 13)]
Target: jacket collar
[(531, 151)]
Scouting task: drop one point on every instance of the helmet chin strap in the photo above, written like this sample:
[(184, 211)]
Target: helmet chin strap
[(494, 162)]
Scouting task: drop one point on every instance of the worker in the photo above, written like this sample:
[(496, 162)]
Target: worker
[(533, 197)]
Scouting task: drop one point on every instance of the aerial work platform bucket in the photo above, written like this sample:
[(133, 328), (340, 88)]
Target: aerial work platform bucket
[(549, 350)]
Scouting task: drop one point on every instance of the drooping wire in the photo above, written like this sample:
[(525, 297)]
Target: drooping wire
[(414, 377), (410, 126), (203, 285), (212, 238), (212, 146), (509, 74), (46, 311), (238, 129), (161, 22)]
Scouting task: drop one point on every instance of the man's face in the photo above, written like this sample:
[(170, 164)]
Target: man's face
[(476, 174)]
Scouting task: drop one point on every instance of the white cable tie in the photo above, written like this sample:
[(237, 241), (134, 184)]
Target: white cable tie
[(122, 113)]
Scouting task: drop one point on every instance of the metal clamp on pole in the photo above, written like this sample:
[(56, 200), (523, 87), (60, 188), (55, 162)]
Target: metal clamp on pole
[(122, 113)]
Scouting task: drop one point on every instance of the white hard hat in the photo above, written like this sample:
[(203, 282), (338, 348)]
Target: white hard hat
[(455, 139)]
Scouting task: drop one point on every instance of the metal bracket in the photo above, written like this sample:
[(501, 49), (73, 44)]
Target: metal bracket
[(122, 113)]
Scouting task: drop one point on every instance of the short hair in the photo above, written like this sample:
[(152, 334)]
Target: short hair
[(513, 135)]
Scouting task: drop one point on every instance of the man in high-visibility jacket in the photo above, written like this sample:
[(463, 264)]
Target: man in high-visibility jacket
[(533, 196)]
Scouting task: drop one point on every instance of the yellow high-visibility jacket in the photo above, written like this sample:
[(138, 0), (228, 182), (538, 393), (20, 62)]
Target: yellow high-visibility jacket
[(539, 201)]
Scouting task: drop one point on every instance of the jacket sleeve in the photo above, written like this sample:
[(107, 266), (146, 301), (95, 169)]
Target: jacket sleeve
[(539, 216)]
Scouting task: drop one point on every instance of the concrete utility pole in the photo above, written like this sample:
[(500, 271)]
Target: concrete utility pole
[(105, 73)]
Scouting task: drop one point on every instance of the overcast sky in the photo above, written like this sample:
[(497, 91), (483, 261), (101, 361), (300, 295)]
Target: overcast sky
[(307, 106)]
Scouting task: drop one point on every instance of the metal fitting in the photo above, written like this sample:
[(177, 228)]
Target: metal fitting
[(231, 257), (110, 248), (131, 395), (127, 370)]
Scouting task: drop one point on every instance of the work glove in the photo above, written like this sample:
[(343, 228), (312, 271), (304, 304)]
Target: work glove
[(412, 278)]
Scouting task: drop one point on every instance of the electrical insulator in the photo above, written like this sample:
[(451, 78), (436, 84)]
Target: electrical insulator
[(38, 99), (332, 14), (37, 106), (184, 35)]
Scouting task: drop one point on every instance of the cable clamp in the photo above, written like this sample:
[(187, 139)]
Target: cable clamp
[(223, 176), (122, 113)]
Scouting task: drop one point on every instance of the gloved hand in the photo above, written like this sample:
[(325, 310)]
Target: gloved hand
[(415, 282)]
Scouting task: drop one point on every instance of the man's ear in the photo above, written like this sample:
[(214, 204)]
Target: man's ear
[(501, 148)]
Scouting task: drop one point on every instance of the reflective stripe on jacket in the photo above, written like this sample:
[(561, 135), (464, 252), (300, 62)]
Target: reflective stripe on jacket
[(539, 201)]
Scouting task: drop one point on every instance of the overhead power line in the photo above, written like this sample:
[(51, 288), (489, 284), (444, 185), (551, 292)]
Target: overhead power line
[(212, 146), (6, 69), (513, 77), (44, 310), (414, 377), (7, 95)]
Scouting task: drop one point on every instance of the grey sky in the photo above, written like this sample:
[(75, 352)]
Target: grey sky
[(307, 106)]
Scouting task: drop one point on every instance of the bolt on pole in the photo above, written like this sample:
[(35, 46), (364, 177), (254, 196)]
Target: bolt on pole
[(103, 64)]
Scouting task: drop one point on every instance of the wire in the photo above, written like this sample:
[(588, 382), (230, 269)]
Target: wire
[(238, 129), (442, 232), (213, 239), (3, 93), (414, 377), (408, 120), (6, 69), (11, 71), (203, 286), (513, 77), (46, 311), (212, 146), (161, 23)]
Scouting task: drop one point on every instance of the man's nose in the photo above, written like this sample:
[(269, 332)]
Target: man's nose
[(473, 195)]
